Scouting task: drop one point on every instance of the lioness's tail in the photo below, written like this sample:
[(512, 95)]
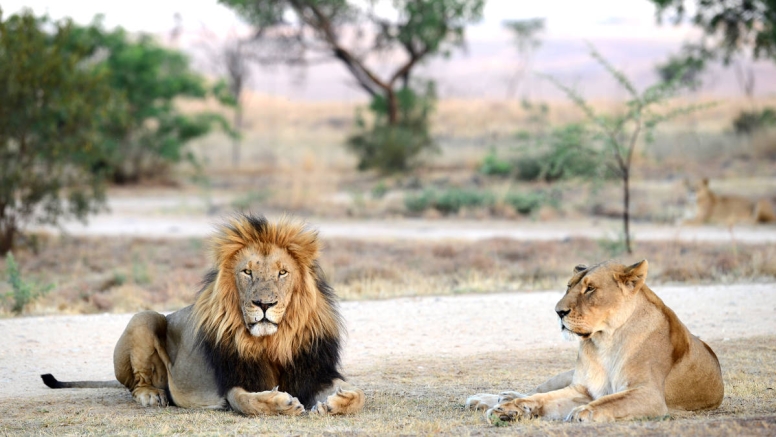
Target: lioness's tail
[(52, 382)]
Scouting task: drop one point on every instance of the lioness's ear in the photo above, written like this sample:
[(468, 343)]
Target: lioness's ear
[(705, 182), (635, 275), (580, 268)]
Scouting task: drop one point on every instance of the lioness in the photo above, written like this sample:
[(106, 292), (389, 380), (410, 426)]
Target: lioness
[(708, 207), (263, 336), (636, 359)]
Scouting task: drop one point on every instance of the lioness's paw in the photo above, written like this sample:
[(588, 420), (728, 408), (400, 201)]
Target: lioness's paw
[(512, 410), (481, 401), (586, 413), (150, 397), (506, 396), (341, 402)]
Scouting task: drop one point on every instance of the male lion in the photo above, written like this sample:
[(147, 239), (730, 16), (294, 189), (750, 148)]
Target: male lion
[(709, 207), (636, 359), (263, 336)]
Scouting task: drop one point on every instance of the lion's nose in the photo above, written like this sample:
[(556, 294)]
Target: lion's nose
[(264, 305), (562, 313)]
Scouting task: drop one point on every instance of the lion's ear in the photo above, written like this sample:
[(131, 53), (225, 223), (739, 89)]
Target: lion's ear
[(635, 276), (705, 182), (580, 268)]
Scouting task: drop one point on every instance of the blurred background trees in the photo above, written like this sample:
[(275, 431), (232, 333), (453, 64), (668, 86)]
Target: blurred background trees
[(351, 32), (53, 98), (80, 106)]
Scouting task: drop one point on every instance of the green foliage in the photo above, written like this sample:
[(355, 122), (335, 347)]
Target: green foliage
[(686, 67), (749, 122), (394, 148), (737, 25), (22, 292), (619, 134), (379, 190), (525, 203), (449, 201), (492, 165), (417, 203), (143, 131), (567, 152), (51, 102), (417, 29)]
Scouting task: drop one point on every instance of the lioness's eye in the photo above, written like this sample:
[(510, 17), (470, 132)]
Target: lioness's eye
[(283, 272), (589, 289), (247, 272)]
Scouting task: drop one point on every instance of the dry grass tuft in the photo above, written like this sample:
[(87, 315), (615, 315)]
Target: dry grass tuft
[(417, 396)]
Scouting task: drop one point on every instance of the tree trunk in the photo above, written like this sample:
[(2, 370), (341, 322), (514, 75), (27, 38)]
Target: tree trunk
[(626, 211), (7, 234), (393, 108), (237, 139)]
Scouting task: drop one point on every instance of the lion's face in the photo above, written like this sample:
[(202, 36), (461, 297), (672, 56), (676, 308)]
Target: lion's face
[(600, 298), (264, 282)]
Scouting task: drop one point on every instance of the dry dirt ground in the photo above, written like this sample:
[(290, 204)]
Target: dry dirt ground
[(417, 359)]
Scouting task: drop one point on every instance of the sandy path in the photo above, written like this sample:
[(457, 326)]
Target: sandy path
[(81, 347)]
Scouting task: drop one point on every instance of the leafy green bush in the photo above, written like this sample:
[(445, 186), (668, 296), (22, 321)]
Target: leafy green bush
[(492, 165), (417, 203), (391, 148), (22, 293), (452, 200), (524, 203), (51, 104), (449, 201), (566, 153), (749, 122)]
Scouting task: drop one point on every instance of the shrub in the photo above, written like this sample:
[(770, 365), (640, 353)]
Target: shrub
[(492, 165), (22, 292), (452, 200), (524, 203), (391, 148), (749, 122), (417, 203)]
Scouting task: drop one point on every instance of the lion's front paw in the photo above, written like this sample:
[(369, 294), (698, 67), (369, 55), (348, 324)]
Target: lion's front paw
[(513, 410), (341, 402), (481, 401), (274, 402), (586, 413), (150, 396)]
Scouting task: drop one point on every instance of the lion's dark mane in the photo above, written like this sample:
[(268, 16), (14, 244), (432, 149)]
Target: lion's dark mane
[(311, 370)]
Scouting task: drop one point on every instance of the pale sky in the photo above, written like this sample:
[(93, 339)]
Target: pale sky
[(625, 32), (564, 17)]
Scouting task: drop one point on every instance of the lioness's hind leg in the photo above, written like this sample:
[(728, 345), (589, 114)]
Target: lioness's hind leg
[(343, 398), (140, 358)]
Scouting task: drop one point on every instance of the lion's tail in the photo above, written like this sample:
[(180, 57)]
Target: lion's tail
[(52, 382)]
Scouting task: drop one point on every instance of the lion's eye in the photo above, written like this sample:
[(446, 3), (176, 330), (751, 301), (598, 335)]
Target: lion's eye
[(247, 272), (283, 272), (589, 289)]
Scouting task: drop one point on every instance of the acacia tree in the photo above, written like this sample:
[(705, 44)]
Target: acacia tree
[(51, 103), (357, 33), (351, 31), (527, 41), (619, 134)]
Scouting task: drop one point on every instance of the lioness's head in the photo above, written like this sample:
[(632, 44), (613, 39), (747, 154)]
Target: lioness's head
[(600, 298)]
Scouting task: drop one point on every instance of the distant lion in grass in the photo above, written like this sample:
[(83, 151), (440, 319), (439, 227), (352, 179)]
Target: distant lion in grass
[(709, 207), (635, 360), (263, 336)]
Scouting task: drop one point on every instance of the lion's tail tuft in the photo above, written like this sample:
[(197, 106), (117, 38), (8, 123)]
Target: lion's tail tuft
[(52, 382)]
